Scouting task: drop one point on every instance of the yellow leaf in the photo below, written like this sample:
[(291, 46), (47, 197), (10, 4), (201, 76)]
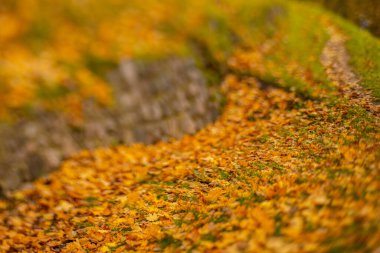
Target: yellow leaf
[(152, 217)]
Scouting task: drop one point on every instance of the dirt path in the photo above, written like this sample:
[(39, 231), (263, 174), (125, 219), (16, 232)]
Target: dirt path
[(335, 59)]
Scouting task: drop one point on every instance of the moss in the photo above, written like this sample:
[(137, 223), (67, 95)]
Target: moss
[(99, 66), (305, 40), (302, 44), (38, 34), (51, 92), (292, 62), (169, 241)]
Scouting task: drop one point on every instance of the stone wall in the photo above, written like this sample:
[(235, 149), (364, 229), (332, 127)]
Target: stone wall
[(153, 101)]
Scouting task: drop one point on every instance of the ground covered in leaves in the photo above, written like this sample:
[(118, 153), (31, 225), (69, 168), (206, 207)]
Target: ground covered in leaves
[(274, 173), (292, 165)]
